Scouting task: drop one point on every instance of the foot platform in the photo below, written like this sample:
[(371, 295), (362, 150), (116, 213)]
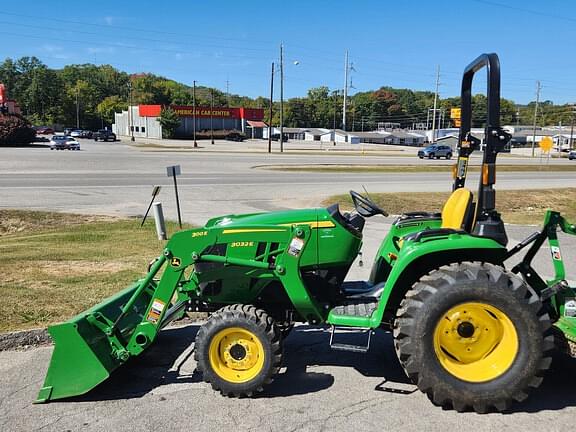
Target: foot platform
[(349, 331)]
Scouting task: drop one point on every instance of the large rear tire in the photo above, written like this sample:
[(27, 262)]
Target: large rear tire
[(472, 336), (238, 350)]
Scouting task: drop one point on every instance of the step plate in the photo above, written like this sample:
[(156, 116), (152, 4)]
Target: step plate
[(362, 309), (350, 348)]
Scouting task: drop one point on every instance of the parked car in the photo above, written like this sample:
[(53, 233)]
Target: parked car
[(276, 137), (44, 130), (104, 135), (63, 142), (76, 133), (86, 134), (435, 151), (235, 136), (68, 131), (572, 155)]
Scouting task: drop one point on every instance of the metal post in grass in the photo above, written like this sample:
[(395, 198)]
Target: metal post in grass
[(159, 220), (155, 193), (173, 171)]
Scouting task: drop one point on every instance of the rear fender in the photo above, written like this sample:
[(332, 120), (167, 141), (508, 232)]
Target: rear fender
[(390, 247), (417, 258)]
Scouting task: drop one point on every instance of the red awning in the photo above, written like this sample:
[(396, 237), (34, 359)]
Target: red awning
[(256, 124)]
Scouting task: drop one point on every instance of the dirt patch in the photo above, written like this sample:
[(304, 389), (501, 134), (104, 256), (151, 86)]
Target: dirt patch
[(81, 268), (18, 221)]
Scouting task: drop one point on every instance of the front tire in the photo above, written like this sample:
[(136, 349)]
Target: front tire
[(472, 336), (449, 156), (238, 350)]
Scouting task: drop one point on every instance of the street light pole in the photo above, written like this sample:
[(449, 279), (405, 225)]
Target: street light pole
[(271, 104), (345, 92), (130, 113), (194, 112), (281, 98), (435, 103), (77, 107), (571, 144), (334, 124), (538, 87), (212, 115)]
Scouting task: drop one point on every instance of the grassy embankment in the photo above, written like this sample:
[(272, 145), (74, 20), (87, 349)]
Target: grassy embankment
[(56, 265)]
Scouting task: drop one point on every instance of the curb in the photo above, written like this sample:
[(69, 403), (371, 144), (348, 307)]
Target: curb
[(24, 339)]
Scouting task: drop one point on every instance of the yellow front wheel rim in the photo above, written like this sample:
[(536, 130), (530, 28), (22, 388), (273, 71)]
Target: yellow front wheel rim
[(236, 355), (475, 342)]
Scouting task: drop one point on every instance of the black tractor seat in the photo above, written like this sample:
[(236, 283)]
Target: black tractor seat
[(362, 290)]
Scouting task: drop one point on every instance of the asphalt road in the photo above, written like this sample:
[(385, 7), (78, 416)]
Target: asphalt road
[(317, 389), (115, 178)]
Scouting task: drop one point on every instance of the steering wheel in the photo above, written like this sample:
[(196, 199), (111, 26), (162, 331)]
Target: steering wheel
[(365, 206)]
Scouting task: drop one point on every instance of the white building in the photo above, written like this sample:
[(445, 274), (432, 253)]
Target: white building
[(142, 127)]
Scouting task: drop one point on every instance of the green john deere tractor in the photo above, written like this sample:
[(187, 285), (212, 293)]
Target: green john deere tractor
[(469, 331)]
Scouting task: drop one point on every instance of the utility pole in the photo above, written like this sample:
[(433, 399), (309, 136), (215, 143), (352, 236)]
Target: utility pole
[(227, 92), (271, 105), (571, 144), (131, 113), (281, 98), (212, 115), (435, 103), (538, 88), (345, 91), (77, 107), (194, 112), (334, 124)]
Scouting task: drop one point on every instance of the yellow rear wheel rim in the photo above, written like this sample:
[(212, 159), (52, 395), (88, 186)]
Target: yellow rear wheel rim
[(475, 342), (236, 355)]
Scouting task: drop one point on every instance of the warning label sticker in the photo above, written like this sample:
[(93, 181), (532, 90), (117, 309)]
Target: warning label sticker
[(296, 246), (155, 311), (555, 250)]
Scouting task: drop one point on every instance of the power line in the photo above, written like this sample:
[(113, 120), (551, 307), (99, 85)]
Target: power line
[(530, 11)]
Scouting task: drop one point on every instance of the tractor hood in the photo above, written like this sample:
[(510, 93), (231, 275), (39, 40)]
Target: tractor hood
[(304, 216)]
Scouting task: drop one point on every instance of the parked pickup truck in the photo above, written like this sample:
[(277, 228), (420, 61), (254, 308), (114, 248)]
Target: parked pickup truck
[(104, 135)]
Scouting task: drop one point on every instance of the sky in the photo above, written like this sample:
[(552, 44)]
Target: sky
[(231, 44)]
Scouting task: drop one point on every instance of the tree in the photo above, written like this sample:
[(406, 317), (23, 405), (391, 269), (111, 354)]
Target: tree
[(43, 96), (109, 106), (169, 121)]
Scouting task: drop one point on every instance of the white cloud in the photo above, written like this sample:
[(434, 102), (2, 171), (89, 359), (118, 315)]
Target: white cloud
[(97, 50), (109, 20), (55, 51)]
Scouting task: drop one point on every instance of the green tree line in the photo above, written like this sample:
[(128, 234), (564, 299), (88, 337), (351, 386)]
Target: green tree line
[(52, 96)]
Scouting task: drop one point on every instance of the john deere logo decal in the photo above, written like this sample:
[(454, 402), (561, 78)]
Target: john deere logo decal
[(175, 262)]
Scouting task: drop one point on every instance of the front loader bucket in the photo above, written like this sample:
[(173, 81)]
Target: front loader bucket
[(83, 355)]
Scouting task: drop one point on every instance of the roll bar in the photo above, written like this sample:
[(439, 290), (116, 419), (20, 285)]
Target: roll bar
[(495, 139)]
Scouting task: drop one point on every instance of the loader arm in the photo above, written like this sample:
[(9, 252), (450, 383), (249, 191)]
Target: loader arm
[(91, 345)]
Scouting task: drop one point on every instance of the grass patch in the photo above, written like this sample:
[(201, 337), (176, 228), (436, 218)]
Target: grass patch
[(525, 207), (55, 265), (335, 168)]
